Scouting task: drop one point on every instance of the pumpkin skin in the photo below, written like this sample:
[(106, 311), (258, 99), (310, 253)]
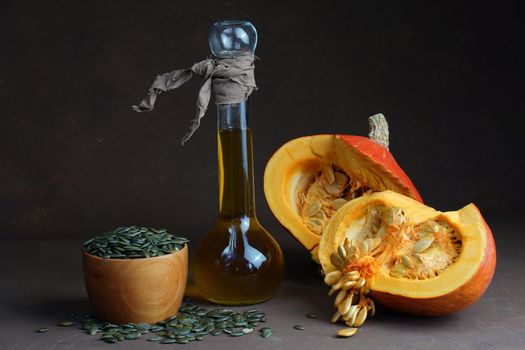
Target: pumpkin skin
[(460, 285), (359, 157)]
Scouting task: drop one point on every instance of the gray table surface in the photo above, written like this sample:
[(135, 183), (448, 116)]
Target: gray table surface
[(41, 282)]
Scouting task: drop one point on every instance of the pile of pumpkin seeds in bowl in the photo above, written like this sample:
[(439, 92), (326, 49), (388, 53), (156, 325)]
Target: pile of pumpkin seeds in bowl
[(134, 242)]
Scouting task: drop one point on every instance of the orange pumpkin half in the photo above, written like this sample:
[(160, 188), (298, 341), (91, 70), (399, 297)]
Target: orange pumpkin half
[(407, 256), (308, 179)]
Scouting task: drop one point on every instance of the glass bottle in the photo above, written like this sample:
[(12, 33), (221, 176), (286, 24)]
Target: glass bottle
[(237, 262)]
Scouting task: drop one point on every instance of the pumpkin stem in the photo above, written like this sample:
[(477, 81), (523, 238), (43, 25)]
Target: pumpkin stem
[(378, 129)]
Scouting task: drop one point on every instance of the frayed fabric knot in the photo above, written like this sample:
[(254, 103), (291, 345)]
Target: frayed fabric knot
[(231, 79)]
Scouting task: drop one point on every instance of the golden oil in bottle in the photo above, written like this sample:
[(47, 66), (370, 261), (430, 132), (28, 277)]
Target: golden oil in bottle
[(237, 262)]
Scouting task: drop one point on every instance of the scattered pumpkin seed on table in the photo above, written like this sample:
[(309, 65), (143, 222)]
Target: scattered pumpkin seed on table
[(192, 323), (266, 332)]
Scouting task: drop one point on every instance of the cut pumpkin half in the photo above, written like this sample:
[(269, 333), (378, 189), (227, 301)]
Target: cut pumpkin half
[(308, 179), (407, 256)]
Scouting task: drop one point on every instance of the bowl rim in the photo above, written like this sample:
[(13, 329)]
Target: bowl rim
[(95, 257)]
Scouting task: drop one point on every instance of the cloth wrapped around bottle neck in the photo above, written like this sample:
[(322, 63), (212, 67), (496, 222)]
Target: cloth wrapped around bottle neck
[(231, 79)]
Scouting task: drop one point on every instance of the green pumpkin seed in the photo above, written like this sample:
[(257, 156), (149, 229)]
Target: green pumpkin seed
[(93, 330), (221, 318), (188, 321), (154, 339), (143, 326), (216, 332), (266, 332), (311, 316), (167, 341), (299, 327), (156, 328), (42, 330), (66, 324), (111, 327), (86, 325)]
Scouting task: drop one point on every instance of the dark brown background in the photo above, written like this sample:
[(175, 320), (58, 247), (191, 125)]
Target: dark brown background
[(75, 160)]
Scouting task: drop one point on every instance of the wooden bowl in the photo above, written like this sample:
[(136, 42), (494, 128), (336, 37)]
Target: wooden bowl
[(136, 290)]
